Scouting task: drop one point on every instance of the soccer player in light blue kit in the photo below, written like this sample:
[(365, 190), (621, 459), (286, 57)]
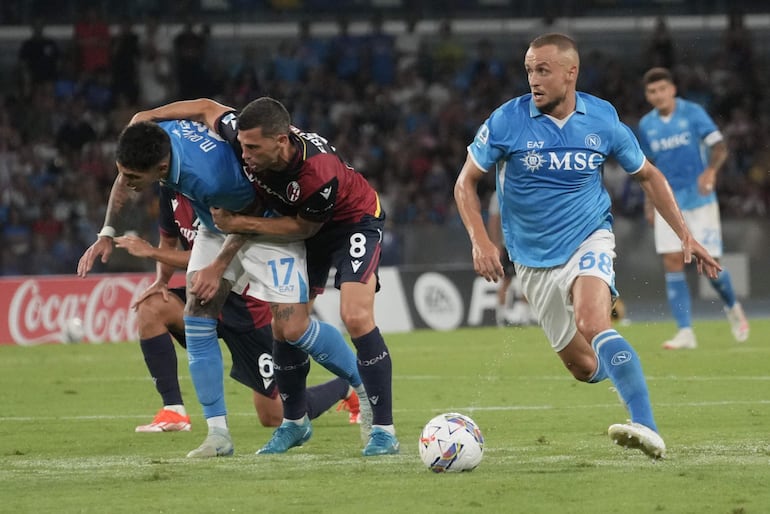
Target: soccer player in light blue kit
[(677, 135), (189, 158), (547, 150)]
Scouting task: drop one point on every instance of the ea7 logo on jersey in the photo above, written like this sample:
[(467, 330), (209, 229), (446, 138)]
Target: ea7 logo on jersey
[(292, 191), (325, 192)]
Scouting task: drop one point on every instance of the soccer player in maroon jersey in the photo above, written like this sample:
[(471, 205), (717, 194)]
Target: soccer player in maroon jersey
[(324, 201), (244, 325)]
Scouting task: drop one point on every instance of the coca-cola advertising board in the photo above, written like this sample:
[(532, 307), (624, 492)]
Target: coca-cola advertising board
[(38, 308)]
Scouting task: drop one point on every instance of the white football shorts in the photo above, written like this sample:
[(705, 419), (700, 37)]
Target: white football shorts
[(704, 224), (272, 272), (549, 289)]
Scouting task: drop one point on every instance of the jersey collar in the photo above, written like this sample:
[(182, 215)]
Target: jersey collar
[(580, 107)]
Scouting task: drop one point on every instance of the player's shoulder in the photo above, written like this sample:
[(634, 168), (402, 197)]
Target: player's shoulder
[(597, 106), (649, 117), (519, 104), (689, 108), (510, 113)]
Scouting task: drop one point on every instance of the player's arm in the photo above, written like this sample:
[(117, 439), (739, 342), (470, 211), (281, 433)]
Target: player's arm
[(169, 258), (120, 194), (167, 253), (659, 192), (486, 255), (206, 282), (708, 179), (203, 110), (282, 228)]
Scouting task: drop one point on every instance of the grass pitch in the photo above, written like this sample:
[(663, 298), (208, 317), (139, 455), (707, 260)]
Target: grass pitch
[(67, 441)]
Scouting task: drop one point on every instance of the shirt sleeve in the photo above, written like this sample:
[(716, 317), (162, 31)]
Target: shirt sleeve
[(626, 149), (486, 148)]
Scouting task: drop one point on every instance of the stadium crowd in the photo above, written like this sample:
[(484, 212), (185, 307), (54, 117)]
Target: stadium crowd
[(401, 108)]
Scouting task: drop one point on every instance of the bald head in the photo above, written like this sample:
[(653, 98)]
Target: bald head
[(552, 64), (564, 44)]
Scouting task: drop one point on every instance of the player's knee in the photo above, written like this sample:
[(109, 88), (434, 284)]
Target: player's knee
[(289, 329), (358, 320), (590, 326), (150, 313)]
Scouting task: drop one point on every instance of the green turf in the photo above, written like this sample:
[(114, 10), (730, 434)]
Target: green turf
[(67, 444)]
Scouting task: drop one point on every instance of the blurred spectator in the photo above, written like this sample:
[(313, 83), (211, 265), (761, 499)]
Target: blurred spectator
[(125, 55), (192, 77), (154, 69), (38, 58), (660, 50), (92, 41)]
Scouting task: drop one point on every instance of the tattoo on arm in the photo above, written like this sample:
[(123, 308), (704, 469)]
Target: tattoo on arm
[(120, 195)]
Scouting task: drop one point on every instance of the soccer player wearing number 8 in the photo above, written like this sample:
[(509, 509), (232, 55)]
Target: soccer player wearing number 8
[(244, 325), (331, 206), (547, 149), (188, 158)]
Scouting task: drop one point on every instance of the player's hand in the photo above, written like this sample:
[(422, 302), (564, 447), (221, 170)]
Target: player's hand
[(206, 282), (224, 220), (486, 261), (102, 247), (705, 263), (157, 287), (707, 182), (135, 245)]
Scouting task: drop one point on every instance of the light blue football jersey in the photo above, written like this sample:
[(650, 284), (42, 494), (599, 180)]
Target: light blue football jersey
[(205, 169), (678, 148), (549, 178)]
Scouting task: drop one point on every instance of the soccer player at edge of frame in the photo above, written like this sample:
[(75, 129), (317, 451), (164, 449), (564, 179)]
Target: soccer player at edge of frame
[(693, 180), (547, 149), (326, 203), (184, 156), (244, 326)]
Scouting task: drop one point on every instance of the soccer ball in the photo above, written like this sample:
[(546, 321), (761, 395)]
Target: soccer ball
[(451, 442), (73, 331)]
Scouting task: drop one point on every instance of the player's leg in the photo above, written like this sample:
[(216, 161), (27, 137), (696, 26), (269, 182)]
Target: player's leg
[(669, 247), (706, 227), (356, 256), (278, 275), (573, 304), (502, 301), (203, 352), (155, 318), (252, 356)]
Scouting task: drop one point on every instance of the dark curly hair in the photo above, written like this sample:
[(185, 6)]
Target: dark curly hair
[(142, 145)]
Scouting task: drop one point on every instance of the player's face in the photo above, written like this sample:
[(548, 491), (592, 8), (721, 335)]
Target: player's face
[(661, 95), (262, 152), (140, 180), (552, 75)]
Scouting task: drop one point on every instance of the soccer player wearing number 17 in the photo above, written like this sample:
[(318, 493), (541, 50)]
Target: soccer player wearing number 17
[(547, 150)]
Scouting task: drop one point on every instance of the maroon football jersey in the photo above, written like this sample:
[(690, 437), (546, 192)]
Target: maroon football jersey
[(317, 185)]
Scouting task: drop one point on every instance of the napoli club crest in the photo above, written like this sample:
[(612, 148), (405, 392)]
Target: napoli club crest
[(292, 191)]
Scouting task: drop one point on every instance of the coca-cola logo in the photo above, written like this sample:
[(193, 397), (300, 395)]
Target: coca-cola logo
[(37, 311)]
